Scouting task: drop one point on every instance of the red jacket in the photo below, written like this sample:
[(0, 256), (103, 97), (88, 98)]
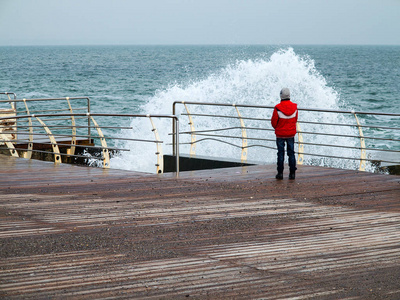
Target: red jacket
[(284, 119)]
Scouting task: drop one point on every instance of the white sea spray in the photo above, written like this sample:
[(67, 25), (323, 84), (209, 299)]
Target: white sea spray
[(254, 82)]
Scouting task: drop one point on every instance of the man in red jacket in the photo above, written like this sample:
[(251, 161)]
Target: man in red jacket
[(284, 119)]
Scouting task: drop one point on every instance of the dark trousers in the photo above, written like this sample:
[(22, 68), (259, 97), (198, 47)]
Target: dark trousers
[(280, 143)]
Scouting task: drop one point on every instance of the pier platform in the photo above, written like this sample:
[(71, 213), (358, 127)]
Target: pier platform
[(73, 232)]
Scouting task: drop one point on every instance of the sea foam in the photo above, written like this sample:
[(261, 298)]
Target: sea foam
[(254, 82)]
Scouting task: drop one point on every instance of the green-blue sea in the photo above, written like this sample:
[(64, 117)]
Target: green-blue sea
[(148, 79)]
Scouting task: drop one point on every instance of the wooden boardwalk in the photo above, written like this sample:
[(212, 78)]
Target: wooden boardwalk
[(71, 232)]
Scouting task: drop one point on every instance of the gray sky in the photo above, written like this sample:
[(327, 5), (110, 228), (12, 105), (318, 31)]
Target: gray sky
[(88, 22)]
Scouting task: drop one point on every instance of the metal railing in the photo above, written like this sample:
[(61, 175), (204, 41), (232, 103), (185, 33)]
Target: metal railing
[(50, 134), (69, 124), (318, 130), (8, 95), (41, 106), (8, 111)]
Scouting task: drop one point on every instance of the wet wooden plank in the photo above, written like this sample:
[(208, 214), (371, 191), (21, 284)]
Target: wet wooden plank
[(72, 232)]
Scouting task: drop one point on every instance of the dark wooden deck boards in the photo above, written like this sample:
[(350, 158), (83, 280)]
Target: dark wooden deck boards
[(72, 232)]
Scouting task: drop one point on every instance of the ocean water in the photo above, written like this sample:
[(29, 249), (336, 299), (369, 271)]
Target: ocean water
[(148, 79)]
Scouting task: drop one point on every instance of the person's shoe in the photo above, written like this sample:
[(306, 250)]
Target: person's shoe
[(279, 176), (292, 175)]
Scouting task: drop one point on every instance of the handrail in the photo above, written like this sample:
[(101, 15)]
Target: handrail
[(303, 134), (45, 99), (13, 105), (104, 147), (273, 140), (9, 93), (301, 122), (68, 107), (310, 131), (300, 109)]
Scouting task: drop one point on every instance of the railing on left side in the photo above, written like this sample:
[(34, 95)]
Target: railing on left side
[(54, 132)]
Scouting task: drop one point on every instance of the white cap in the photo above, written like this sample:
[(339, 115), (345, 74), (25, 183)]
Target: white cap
[(285, 94)]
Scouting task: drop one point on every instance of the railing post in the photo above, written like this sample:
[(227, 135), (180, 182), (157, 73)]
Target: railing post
[(73, 139), (192, 133), (106, 153), (159, 153), (9, 145), (173, 131), (176, 121), (175, 137), (243, 157), (300, 155), (13, 104), (362, 144), (29, 150), (56, 150), (9, 125), (88, 112)]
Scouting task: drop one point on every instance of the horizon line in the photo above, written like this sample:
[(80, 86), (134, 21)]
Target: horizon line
[(182, 44)]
